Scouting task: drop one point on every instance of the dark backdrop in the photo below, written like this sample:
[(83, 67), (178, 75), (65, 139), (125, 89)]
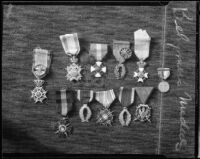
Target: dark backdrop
[(27, 127)]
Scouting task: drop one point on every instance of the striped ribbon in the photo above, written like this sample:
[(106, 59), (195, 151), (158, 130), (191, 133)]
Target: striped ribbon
[(105, 97), (85, 96), (117, 46), (98, 51), (126, 96), (70, 44), (41, 57), (66, 99)]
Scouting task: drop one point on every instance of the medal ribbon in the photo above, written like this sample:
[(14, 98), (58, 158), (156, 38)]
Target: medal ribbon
[(141, 44), (70, 44), (85, 96), (66, 100), (98, 51), (117, 46), (144, 93), (126, 96), (41, 57), (105, 97)]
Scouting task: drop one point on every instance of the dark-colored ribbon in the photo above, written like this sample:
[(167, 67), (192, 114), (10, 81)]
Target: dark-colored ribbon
[(126, 96), (144, 93), (85, 96), (65, 99)]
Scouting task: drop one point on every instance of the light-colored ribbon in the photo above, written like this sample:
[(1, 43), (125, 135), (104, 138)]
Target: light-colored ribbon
[(66, 105), (141, 44), (41, 57), (70, 44), (105, 97), (98, 51)]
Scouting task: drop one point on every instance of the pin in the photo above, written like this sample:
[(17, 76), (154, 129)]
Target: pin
[(65, 100), (98, 51), (122, 52), (40, 68), (71, 47), (143, 111), (105, 116), (141, 50), (163, 74)]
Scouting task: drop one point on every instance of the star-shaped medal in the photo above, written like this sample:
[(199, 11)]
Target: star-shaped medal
[(143, 113), (141, 75), (38, 94), (105, 117), (73, 72), (63, 127), (98, 69)]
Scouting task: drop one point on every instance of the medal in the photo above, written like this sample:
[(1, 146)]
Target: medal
[(40, 68), (143, 111), (163, 73), (141, 49), (85, 96), (105, 116), (98, 51), (126, 98), (71, 47), (65, 100), (122, 52)]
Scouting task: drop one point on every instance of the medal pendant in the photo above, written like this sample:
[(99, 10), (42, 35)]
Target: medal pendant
[(74, 72), (98, 69), (143, 113), (105, 117), (141, 75), (38, 93), (125, 121), (63, 127)]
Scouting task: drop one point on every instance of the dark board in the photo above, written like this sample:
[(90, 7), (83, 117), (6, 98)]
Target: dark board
[(27, 127)]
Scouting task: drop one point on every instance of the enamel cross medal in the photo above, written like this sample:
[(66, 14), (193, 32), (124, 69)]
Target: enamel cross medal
[(105, 116), (85, 96), (40, 68), (122, 52), (65, 101), (98, 51), (71, 47), (143, 111), (126, 98), (141, 49)]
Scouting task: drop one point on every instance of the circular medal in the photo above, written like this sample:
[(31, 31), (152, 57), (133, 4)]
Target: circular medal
[(163, 86)]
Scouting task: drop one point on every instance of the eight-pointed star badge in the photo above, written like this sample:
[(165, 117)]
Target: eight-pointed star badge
[(74, 72), (38, 94)]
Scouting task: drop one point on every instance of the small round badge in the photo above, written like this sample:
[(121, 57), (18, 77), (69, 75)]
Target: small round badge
[(163, 86)]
